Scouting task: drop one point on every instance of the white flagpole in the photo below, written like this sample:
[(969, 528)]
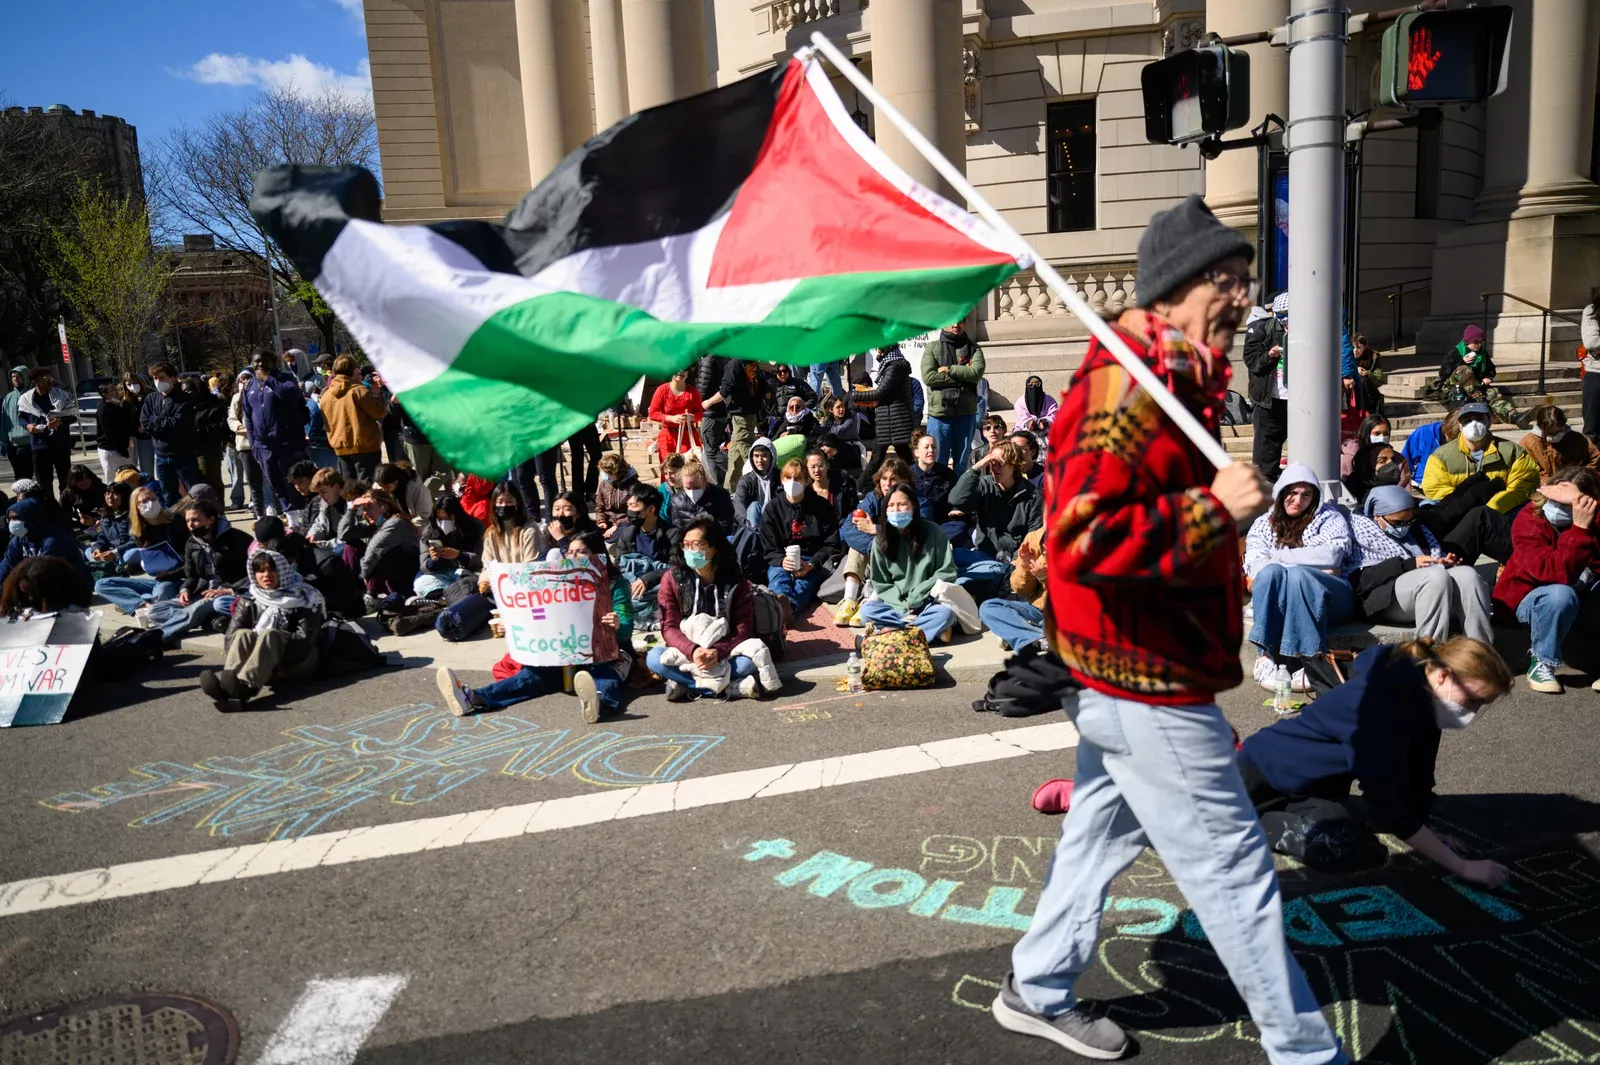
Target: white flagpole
[(1170, 404)]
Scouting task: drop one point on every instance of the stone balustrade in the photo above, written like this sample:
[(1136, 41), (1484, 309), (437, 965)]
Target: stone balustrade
[(785, 15), (1024, 298)]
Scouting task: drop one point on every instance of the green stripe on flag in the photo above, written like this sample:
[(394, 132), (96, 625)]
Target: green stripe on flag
[(539, 371)]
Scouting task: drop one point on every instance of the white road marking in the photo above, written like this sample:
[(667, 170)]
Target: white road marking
[(455, 830), (331, 1019)]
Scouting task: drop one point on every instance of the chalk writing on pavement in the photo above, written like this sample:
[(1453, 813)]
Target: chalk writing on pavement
[(410, 755)]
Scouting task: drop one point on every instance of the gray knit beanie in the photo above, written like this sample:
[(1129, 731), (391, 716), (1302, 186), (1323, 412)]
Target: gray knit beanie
[(1180, 243)]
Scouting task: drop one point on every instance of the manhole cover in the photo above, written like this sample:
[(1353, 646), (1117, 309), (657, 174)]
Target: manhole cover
[(123, 1030)]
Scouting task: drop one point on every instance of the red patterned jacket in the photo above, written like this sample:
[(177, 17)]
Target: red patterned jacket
[(1146, 582)]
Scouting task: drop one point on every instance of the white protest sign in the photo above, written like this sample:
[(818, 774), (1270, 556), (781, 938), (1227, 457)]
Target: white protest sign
[(41, 664), (552, 610)]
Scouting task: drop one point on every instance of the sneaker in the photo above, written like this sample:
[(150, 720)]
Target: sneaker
[(213, 688), (1541, 678), (142, 619), (455, 695), (848, 614), (749, 688), (677, 692), (583, 687), (1099, 1038)]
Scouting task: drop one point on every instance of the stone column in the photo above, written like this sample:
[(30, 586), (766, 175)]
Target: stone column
[(1560, 109), (1231, 177), (608, 62), (551, 71), (916, 64), (666, 50)]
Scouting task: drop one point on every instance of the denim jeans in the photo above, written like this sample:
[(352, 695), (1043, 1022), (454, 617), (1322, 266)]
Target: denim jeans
[(1015, 622), (1295, 606), (933, 619), (173, 469), (144, 452), (128, 594), (324, 457), (177, 620), (357, 467), (798, 590), (742, 667), (831, 369), (953, 438), (752, 515), (1166, 776), (428, 583), (237, 478), (978, 572), (530, 682), (1549, 612)]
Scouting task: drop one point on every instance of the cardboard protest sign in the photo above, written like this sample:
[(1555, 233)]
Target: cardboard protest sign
[(41, 665), (552, 611)]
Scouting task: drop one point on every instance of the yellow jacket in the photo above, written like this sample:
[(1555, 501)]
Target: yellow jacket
[(1503, 461)]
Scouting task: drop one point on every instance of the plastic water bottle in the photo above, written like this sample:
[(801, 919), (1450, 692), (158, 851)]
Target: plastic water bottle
[(1282, 691), (852, 672)]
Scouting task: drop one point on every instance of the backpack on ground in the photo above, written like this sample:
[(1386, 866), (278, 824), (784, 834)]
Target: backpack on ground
[(129, 651), (896, 658), (346, 648), (1324, 835), (747, 551), (1031, 682), (768, 611)]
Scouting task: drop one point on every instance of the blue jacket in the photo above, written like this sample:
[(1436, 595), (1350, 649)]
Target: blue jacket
[(1377, 728), (1347, 355), (40, 538), (276, 411), (1421, 444), (316, 427), (112, 534)]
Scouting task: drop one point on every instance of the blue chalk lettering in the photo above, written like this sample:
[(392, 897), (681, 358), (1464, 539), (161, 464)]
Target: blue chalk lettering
[(828, 870), (864, 889), (671, 756), (937, 895), (770, 848), (999, 911), (1301, 924), (1393, 917), (1191, 926), (1485, 901), (1165, 921)]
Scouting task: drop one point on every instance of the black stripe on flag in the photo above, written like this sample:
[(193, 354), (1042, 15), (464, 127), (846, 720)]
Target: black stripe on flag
[(304, 208)]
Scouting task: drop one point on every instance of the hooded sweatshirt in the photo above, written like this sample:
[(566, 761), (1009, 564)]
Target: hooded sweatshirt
[(354, 416), (755, 487), (39, 537), (10, 418)]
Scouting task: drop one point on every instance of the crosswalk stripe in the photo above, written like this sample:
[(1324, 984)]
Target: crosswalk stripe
[(551, 815), (331, 1019)]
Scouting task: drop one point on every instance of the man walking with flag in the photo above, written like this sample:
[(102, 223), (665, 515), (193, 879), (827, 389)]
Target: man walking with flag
[(1146, 608)]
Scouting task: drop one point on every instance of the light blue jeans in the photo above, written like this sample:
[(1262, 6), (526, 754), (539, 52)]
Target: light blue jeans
[(831, 369), (128, 594), (1549, 612), (1167, 777), (979, 572), (174, 619), (1015, 622), (952, 437), (1295, 606), (428, 583), (933, 619), (798, 590), (742, 667)]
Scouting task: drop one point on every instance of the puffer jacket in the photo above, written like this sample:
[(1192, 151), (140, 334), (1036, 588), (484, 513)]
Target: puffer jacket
[(354, 416), (1502, 461), (896, 398)]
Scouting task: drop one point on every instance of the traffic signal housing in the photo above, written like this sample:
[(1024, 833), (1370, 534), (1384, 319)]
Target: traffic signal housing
[(1196, 94), (1444, 57)]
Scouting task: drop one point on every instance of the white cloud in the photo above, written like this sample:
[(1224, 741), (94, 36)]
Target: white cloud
[(296, 72)]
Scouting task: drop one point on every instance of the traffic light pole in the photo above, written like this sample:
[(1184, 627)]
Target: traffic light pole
[(1317, 35)]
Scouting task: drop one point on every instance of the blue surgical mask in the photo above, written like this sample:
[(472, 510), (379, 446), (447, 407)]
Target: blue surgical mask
[(901, 518), (695, 559), (18, 528), (1399, 530), (1557, 514)]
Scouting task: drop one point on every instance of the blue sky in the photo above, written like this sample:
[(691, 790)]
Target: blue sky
[(158, 63)]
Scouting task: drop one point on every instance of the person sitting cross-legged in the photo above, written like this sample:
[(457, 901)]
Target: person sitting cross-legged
[(273, 637), (1408, 578), (858, 533), (1019, 620), (599, 686), (452, 547), (799, 537), (910, 555), (757, 484)]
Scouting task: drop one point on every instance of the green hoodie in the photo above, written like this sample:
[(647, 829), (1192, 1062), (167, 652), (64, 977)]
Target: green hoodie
[(907, 583), (10, 421)]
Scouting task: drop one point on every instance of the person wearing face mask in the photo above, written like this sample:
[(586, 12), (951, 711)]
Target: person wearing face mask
[(18, 441), (1550, 575), (509, 537), (1407, 578), (857, 534), (703, 595), (756, 485), (1553, 446), (452, 543), (799, 538), (167, 415), (1036, 408), (568, 518), (160, 542), (33, 534), (213, 562), (952, 366), (697, 496), (909, 556), (144, 446), (1376, 465), (1374, 430), (644, 547), (1380, 729), (1476, 464)]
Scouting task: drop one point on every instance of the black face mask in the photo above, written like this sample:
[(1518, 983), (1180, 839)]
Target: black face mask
[(1035, 397), (506, 513), (1389, 474)]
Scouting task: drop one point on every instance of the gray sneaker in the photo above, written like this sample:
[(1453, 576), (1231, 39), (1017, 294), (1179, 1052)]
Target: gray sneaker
[(1090, 1037), (588, 694)]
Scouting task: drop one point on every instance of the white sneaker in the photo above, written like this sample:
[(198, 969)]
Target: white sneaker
[(677, 692), (588, 694), (454, 692), (141, 617), (749, 688)]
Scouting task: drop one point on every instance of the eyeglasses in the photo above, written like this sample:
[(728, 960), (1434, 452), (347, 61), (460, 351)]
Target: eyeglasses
[(1227, 284)]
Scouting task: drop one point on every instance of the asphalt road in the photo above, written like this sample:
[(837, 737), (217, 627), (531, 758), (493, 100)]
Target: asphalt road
[(860, 910)]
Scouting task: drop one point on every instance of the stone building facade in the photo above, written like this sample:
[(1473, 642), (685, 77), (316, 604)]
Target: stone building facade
[(1040, 101), (115, 144)]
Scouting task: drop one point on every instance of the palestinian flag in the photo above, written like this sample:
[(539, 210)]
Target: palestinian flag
[(755, 221)]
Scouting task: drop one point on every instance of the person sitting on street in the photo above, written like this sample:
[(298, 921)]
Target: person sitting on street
[(390, 559), (452, 542), (708, 618), (794, 421), (784, 385), (934, 481), (83, 497), (835, 417), (696, 495), (1553, 446), (113, 545), (323, 568), (328, 515), (213, 562), (991, 431), (644, 550), (43, 584), (1296, 559), (837, 490), (617, 479), (1381, 729), (671, 466), (1508, 474), (909, 556), (160, 543), (413, 497), (858, 533), (1004, 508), (274, 636), (1550, 573), (1018, 619), (1407, 578), (599, 687), (510, 537), (844, 457), (799, 538), (33, 534), (1033, 468), (569, 517), (755, 486)]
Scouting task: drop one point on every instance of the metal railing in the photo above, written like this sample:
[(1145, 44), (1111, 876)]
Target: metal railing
[(1397, 300), (1545, 314)]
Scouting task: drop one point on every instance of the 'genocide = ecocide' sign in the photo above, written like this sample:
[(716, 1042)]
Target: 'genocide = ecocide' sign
[(552, 612)]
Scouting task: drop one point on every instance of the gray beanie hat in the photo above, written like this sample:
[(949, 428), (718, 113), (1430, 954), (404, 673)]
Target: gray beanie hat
[(1180, 243)]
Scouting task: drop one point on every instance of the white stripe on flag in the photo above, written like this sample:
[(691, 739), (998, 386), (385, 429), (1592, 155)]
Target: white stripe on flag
[(332, 1019)]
